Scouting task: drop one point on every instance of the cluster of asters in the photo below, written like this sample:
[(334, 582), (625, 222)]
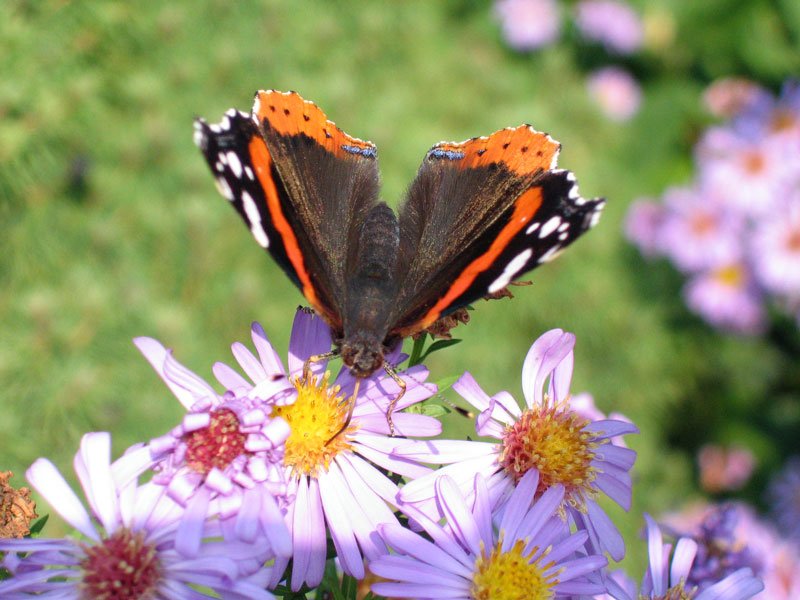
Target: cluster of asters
[(261, 485), (613, 25), (734, 231)]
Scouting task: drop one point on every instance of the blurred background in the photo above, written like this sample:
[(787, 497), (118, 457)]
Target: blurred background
[(110, 226)]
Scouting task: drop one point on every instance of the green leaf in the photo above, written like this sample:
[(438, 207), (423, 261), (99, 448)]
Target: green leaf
[(440, 345), (37, 527)]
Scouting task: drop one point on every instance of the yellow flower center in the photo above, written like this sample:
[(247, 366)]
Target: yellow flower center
[(676, 592), (316, 419), (512, 575), (550, 439), (730, 276)]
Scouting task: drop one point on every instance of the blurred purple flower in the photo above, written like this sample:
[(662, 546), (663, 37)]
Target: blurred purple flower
[(784, 498), (130, 538), (724, 469), (754, 543), (330, 462), (529, 24), (749, 173), (727, 298), (225, 458), (697, 232), (614, 24), (669, 572), (548, 436), (776, 249), (616, 92), (643, 226), (530, 549), (730, 96)]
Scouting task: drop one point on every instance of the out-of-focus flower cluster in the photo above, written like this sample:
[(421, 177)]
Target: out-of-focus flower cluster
[(734, 231), (613, 25), (259, 487)]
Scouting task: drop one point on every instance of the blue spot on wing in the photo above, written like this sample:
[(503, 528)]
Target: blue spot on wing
[(445, 154), (368, 152)]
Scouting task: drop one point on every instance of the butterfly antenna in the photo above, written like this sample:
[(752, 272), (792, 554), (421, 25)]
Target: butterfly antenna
[(352, 402), (393, 374), (317, 358)]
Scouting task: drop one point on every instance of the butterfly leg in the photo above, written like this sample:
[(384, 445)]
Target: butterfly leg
[(393, 374), (317, 358), (352, 402)]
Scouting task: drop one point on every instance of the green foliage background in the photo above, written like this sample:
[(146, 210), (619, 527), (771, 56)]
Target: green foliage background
[(110, 226)]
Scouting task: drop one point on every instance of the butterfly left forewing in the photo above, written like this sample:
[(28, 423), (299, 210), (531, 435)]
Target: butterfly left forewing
[(479, 215)]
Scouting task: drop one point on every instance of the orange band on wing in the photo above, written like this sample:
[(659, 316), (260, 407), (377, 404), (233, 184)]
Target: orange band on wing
[(262, 161), (524, 209)]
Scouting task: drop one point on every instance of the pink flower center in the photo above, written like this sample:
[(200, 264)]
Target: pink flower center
[(216, 445), (122, 566), (754, 162), (551, 440)]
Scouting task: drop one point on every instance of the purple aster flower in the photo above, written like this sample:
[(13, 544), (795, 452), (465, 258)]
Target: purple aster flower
[(615, 92), (668, 572), (613, 24), (529, 24), (698, 232), (732, 536), (774, 117), (329, 462), (784, 497), (776, 249), (531, 549), (730, 96), (750, 173), (728, 299), (643, 225), (129, 542), (225, 458), (547, 436)]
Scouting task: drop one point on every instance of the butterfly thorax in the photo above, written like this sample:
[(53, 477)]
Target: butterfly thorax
[(371, 289)]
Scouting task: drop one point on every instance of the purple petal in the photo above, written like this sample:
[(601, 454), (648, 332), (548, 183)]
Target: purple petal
[(249, 363), (616, 455), (418, 547), (606, 531), (403, 568), (442, 452), (405, 424), (418, 590), (462, 472), (458, 516), (682, 559), (229, 378), (401, 466), (272, 522), (655, 547), (740, 585), (543, 357), (468, 388), (184, 388), (581, 566), (340, 525), (614, 489), (92, 465), (47, 480), (266, 353), (517, 507), (606, 428), (377, 481), (130, 465), (482, 510), (310, 337), (562, 377), (190, 529)]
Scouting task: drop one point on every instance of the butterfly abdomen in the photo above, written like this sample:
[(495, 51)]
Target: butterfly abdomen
[(371, 288)]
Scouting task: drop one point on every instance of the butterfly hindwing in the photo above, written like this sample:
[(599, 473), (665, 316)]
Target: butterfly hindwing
[(480, 214)]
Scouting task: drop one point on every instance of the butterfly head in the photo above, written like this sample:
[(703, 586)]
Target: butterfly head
[(362, 353)]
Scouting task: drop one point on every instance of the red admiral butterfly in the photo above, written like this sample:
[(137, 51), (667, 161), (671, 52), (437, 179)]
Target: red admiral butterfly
[(479, 214)]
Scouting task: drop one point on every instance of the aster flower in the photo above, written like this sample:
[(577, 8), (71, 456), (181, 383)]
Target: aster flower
[(784, 498), (128, 547), (613, 24), (529, 24), (531, 549), (668, 572), (334, 485), (697, 232), (730, 96), (615, 92), (225, 458), (547, 436), (643, 224), (776, 249), (728, 298)]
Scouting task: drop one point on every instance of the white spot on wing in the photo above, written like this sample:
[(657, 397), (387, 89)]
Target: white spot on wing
[(224, 188), (234, 164), (249, 172), (532, 228), (512, 268), (550, 226), (254, 219)]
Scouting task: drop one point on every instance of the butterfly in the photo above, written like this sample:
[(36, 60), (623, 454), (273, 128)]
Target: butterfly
[(478, 215)]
